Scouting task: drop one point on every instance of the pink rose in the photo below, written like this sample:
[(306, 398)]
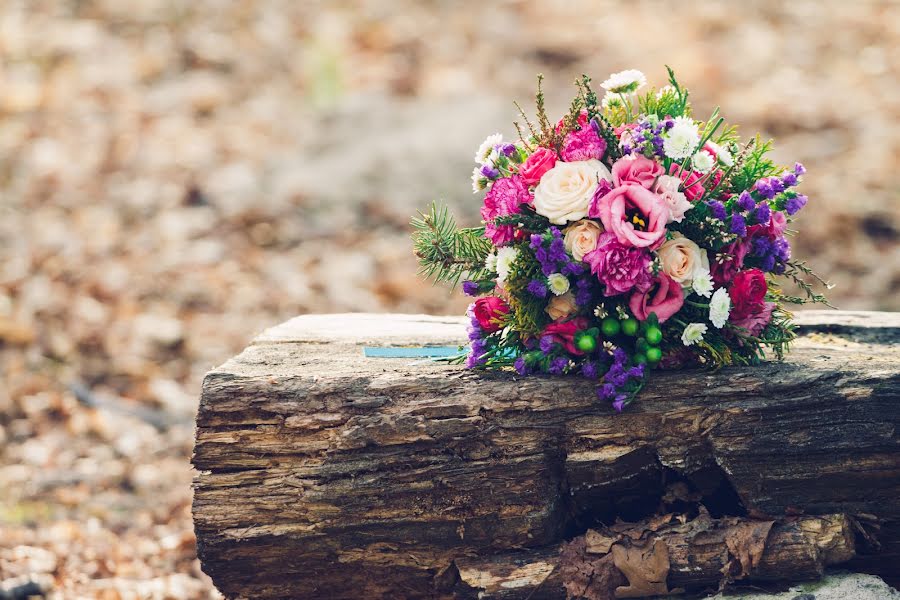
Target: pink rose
[(692, 189), (754, 323), (564, 333), (636, 215), (723, 272), (666, 300), (504, 198), (619, 268), (490, 311), (583, 145), (641, 171), (540, 161), (748, 293)]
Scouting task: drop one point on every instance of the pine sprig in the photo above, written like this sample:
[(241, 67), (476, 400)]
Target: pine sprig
[(795, 271), (445, 252)]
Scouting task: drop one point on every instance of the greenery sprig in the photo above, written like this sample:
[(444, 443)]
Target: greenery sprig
[(445, 252)]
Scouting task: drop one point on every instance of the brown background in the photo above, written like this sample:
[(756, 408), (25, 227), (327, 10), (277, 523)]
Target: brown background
[(177, 175)]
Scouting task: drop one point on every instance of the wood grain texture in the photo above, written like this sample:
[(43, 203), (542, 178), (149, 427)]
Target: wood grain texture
[(322, 474)]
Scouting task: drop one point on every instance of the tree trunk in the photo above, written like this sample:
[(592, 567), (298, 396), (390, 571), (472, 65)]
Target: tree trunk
[(324, 474)]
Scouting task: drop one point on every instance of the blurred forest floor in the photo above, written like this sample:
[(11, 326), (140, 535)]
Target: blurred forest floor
[(177, 175)]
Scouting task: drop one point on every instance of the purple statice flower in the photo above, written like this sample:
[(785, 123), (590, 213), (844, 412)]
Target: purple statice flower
[(767, 263), (781, 248), (799, 169), (589, 370), (476, 354), (765, 189), (537, 288), (537, 241), (761, 246), (546, 344), (738, 225), (763, 213), (626, 149), (789, 180), (583, 294), (508, 149), (619, 403), (558, 365), (572, 268), (668, 123), (470, 288), (777, 185), (607, 391), (793, 205), (490, 172), (617, 378), (521, 366), (717, 209), (745, 201)]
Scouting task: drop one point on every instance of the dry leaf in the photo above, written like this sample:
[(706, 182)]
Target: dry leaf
[(746, 541), (645, 567), (586, 576)]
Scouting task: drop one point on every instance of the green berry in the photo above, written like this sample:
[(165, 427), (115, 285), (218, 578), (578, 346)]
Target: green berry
[(586, 343), (630, 326), (654, 355), (610, 326), (640, 359), (654, 335)]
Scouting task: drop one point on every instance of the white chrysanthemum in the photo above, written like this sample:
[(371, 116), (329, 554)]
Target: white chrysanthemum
[(625, 82), (600, 312), (682, 139), (490, 263), (693, 333), (723, 155), (479, 181), (719, 308), (664, 90), (611, 100), (558, 284), (703, 161), (487, 146), (505, 258), (703, 284)]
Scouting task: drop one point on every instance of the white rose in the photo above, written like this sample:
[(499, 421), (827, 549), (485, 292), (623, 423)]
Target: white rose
[(581, 237), (667, 187), (682, 259), (565, 191)]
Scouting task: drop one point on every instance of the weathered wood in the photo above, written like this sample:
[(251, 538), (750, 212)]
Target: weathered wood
[(325, 474), (697, 555)]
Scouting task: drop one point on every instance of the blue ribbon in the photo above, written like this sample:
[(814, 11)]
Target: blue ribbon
[(411, 352)]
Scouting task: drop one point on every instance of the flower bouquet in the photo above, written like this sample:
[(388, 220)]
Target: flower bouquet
[(626, 237)]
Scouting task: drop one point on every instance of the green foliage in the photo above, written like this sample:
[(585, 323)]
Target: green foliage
[(445, 252), (796, 272), (527, 219), (527, 313), (684, 108), (753, 165)]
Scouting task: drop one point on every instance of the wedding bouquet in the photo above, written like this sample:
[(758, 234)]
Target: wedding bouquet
[(626, 237)]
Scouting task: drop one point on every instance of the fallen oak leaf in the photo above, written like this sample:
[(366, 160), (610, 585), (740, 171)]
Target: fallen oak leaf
[(586, 576), (746, 541), (646, 568)]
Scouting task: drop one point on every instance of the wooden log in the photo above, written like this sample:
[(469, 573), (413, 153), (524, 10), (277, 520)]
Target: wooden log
[(325, 474), (697, 554)]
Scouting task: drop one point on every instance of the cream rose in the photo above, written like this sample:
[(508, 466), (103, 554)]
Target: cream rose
[(581, 237), (561, 307), (682, 260), (565, 191)]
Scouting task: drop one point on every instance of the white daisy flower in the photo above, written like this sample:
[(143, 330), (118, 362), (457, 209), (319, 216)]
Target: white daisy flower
[(479, 181), (487, 146), (723, 155), (702, 284), (682, 138), (611, 100), (693, 333), (505, 258), (490, 263), (558, 284), (703, 161), (625, 82), (719, 308), (600, 312)]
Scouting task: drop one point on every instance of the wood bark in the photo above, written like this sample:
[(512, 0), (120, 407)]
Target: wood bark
[(323, 474)]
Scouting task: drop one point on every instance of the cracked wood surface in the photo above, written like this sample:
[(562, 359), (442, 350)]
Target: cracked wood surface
[(325, 474)]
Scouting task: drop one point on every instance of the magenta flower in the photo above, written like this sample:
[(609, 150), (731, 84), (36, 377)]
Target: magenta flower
[(505, 197), (665, 299), (620, 268), (583, 145)]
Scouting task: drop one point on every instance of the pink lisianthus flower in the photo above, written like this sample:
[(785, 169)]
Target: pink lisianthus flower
[(564, 333), (634, 214), (754, 323), (692, 189), (640, 171), (505, 197), (584, 144), (534, 167), (724, 272), (665, 299), (773, 229), (620, 268), (667, 188)]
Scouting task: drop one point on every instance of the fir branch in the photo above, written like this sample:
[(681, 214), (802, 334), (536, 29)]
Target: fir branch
[(445, 252), (795, 272)]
